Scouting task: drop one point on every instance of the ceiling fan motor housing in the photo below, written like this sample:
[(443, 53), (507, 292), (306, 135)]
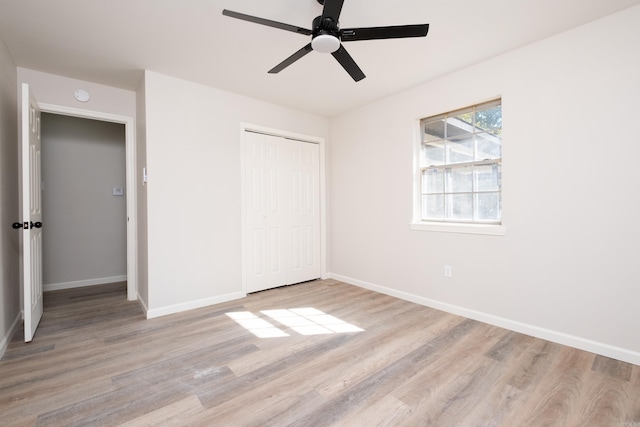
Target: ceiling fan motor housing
[(326, 26), (325, 35)]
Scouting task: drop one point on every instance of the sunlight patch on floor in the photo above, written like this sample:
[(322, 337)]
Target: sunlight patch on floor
[(304, 321), (257, 326)]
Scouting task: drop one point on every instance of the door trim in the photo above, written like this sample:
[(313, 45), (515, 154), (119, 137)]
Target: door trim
[(130, 184), (244, 127)]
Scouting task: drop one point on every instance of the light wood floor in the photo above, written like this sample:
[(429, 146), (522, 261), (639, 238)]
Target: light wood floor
[(95, 360)]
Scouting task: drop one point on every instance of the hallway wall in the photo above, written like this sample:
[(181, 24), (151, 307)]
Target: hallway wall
[(84, 238)]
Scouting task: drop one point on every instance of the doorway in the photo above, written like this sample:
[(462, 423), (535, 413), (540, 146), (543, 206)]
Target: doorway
[(84, 202), (128, 189)]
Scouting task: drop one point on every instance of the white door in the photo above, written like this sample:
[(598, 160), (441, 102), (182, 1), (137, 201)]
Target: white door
[(282, 199), (303, 217), (31, 214), (264, 210)]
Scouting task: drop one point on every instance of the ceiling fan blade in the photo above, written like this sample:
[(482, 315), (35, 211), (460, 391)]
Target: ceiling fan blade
[(348, 64), (332, 9), (267, 22), (394, 32), (290, 60)]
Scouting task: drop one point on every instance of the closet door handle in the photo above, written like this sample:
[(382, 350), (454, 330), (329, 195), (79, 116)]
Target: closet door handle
[(16, 225), (36, 224)]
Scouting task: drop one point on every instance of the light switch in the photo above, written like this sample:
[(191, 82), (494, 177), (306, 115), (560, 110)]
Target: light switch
[(118, 191)]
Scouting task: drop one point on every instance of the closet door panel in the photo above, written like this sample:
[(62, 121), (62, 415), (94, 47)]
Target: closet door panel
[(282, 198), (304, 223)]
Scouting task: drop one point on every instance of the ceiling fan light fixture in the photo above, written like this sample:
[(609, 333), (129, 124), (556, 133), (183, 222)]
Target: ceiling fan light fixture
[(325, 43)]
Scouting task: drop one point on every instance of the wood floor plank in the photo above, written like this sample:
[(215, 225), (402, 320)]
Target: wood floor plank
[(32, 401), (509, 346), (273, 409), (605, 402), (497, 405), (458, 400), (96, 360), (114, 407), (553, 402), (528, 369), (383, 412), (612, 368), (179, 413)]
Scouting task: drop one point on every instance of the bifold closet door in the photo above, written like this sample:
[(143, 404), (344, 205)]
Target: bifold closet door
[(282, 235)]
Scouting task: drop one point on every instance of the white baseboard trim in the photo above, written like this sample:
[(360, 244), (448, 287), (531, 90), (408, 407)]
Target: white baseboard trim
[(81, 283), (6, 339), (177, 308), (603, 349), (143, 304)]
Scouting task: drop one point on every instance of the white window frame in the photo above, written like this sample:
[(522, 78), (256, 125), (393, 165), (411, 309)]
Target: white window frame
[(418, 223)]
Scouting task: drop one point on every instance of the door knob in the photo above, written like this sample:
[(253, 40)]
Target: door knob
[(30, 224)]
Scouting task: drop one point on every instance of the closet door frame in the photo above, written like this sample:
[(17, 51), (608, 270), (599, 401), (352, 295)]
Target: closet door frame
[(247, 127)]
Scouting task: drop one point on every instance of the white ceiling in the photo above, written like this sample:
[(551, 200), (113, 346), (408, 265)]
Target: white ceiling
[(111, 41)]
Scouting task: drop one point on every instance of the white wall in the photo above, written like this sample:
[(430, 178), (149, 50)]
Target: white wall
[(9, 209), (566, 269), (193, 194), (85, 237), (58, 90)]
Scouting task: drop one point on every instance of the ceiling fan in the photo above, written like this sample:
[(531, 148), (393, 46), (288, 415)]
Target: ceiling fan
[(327, 36)]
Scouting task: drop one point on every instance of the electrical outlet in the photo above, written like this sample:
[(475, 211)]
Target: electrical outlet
[(448, 272)]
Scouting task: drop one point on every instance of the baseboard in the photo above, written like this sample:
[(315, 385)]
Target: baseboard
[(9, 335), (82, 283), (603, 349), (177, 308), (143, 304)]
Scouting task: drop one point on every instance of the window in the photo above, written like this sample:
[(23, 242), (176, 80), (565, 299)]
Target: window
[(460, 178)]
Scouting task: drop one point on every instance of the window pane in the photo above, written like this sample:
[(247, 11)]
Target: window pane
[(433, 207), (460, 151), (488, 207), (488, 146), (459, 126), (459, 122), (433, 153), (487, 178), (433, 130), (459, 180), (489, 119), (460, 207), (433, 181)]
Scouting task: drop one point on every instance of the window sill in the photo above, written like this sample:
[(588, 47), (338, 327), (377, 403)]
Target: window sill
[(448, 227)]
